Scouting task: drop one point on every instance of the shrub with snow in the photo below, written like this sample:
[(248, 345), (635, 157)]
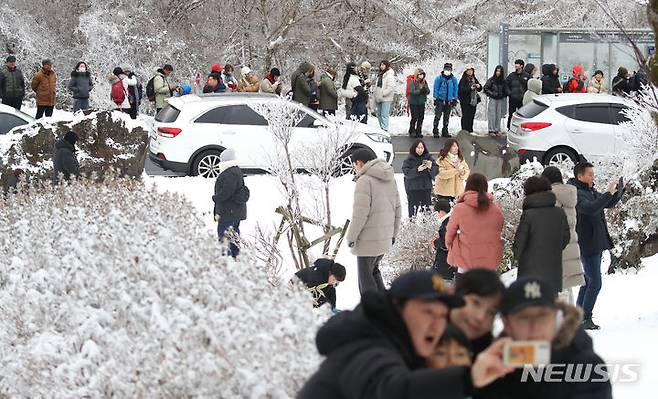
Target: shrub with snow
[(113, 290)]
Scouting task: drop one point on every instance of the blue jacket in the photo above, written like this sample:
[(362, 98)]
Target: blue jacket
[(445, 88)]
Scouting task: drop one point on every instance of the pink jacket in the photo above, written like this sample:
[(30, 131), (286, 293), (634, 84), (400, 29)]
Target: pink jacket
[(474, 238)]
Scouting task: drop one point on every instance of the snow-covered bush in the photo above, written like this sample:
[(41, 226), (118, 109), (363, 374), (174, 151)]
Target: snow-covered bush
[(113, 290)]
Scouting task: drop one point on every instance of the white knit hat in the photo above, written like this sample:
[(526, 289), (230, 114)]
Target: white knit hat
[(245, 70), (365, 65)]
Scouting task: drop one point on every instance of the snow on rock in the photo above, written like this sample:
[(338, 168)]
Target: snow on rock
[(119, 290)]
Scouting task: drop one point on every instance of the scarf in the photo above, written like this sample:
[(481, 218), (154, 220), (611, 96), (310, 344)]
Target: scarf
[(453, 159), (474, 93)]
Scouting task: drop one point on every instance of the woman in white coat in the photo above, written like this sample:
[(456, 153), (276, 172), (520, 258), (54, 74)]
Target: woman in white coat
[(348, 88), (384, 91)]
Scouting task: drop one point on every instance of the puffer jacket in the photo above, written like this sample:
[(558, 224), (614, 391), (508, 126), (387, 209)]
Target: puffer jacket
[(161, 88), (65, 161), (249, 84), (474, 238), (376, 211), (45, 85), (550, 83), (328, 93), (301, 90), (385, 91), (534, 90), (12, 83), (496, 88), (517, 84), (597, 87), (450, 181), (415, 180), (446, 88), (81, 84), (231, 194), (572, 270)]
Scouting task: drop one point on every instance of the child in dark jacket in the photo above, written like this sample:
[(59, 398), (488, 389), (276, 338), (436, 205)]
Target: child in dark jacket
[(441, 266)]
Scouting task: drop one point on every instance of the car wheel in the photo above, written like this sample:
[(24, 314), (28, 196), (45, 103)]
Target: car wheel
[(206, 164), (345, 166), (561, 157)]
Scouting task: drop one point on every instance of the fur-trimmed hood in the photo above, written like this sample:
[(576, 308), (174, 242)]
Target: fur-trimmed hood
[(571, 322)]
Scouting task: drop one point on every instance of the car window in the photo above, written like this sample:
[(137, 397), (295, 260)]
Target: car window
[(619, 114), (599, 113), (567, 110), (233, 115), (307, 121), (9, 121), (532, 109), (167, 114)]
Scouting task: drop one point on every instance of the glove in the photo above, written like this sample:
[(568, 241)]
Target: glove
[(351, 245), (393, 241), (435, 102)]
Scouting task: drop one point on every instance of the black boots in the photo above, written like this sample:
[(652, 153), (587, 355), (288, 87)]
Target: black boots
[(588, 324)]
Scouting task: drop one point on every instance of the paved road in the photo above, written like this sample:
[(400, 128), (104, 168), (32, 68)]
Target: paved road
[(401, 145)]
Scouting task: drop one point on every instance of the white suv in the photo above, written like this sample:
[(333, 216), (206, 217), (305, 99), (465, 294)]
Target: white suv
[(191, 131), (558, 128)]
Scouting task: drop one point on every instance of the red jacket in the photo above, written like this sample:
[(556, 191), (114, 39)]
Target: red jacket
[(577, 82), (473, 238)]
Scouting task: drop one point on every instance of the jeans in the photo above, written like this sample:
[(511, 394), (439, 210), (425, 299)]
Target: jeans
[(417, 117), (468, 115), (133, 110), (495, 112), (223, 228), (370, 278), (13, 102), (80, 104), (513, 106), (418, 199), (383, 111), (442, 108), (590, 291), (348, 108), (44, 109)]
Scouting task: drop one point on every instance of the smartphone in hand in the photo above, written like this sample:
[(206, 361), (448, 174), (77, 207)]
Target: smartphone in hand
[(620, 184)]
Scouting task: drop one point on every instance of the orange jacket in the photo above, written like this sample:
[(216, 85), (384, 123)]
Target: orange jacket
[(45, 85)]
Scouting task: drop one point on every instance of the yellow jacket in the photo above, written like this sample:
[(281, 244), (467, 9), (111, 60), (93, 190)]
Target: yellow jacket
[(450, 181)]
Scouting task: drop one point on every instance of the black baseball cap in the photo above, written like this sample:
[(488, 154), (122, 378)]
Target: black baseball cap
[(527, 291), (424, 284), (11, 58)]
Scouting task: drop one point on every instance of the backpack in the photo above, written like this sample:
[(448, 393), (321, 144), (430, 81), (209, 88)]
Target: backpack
[(410, 79), (565, 87), (118, 94), (150, 89)]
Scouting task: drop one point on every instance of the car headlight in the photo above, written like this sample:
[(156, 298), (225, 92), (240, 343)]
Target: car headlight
[(379, 138)]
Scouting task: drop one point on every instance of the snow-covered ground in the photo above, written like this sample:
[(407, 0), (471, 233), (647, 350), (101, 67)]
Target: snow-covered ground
[(625, 309)]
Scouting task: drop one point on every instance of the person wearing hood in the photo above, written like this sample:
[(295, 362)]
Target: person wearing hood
[(474, 232), (418, 91), (214, 84), (272, 82), (530, 313), (249, 82), (231, 196), (534, 90), (446, 90), (577, 81), (229, 79), (65, 161), (80, 85), (596, 85), (419, 172), (161, 86), (348, 88), (321, 280), (566, 198), (384, 91), (497, 91), (120, 87), (469, 86), (621, 84), (517, 84), (376, 215), (44, 84), (550, 80), (593, 234), (542, 234), (453, 171), (328, 92), (442, 210), (12, 84), (379, 350), (301, 89)]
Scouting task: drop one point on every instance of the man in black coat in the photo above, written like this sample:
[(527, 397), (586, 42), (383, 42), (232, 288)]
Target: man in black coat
[(321, 280), (550, 80), (441, 266), (378, 350), (231, 196), (530, 313), (12, 84), (593, 235), (517, 83), (65, 161)]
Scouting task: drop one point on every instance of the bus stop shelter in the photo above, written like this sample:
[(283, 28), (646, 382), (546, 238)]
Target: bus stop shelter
[(606, 50)]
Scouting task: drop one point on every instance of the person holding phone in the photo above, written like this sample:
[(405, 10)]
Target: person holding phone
[(419, 172)]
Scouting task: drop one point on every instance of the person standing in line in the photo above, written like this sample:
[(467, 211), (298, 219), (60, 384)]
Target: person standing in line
[(214, 84), (328, 92), (271, 83), (419, 174), (596, 85), (418, 91), (12, 84), (44, 84), (249, 82), (229, 79), (542, 234), (119, 89), (384, 91), (348, 88), (572, 269), (469, 86), (231, 196), (301, 89), (534, 90), (446, 89), (550, 80), (577, 81), (593, 235), (621, 84), (376, 217), (162, 87), (453, 171), (474, 231), (497, 91), (135, 92), (517, 84), (80, 86)]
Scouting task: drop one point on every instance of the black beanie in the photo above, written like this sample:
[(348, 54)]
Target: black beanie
[(117, 71), (71, 137), (275, 72)]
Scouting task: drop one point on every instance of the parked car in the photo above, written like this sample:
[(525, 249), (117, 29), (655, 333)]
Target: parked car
[(568, 127), (190, 132), (11, 118)]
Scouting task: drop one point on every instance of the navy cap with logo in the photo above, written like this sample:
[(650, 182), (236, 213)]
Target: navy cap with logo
[(527, 291), (424, 284)]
